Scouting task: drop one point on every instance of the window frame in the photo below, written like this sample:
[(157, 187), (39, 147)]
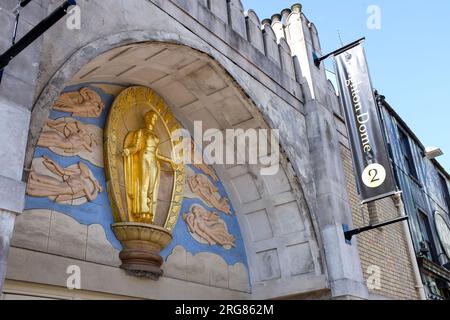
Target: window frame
[(445, 191), (408, 158), (424, 222)]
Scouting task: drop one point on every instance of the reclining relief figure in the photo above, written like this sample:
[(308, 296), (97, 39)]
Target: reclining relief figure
[(85, 103), (209, 227), (63, 184), (69, 135)]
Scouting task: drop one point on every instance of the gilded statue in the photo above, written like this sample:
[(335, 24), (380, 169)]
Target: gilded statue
[(209, 227), (142, 166), (85, 103), (145, 183), (202, 186), (70, 136), (63, 184)]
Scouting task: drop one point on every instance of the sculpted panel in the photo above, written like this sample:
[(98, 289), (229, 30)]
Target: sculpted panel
[(207, 268), (207, 227), (68, 137), (62, 185), (147, 189), (85, 103), (205, 189)]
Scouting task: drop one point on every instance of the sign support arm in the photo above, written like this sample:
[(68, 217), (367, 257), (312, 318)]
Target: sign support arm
[(318, 60), (350, 233)]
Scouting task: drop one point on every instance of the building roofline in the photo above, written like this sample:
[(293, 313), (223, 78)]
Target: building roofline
[(412, 134)]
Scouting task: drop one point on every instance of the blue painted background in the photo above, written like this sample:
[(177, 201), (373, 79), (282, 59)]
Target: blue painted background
[(181, 235), (99, 211)]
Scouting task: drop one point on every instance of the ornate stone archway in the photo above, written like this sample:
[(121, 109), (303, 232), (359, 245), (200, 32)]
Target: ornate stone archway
[(273, 214)]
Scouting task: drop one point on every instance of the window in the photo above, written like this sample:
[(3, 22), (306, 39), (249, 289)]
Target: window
[(445, 193), (408, 160), (427, 235)]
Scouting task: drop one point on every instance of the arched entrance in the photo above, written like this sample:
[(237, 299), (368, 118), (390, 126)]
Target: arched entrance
[(278, 247)]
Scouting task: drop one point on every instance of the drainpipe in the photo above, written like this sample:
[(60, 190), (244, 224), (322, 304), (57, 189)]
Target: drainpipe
[(412, 253)]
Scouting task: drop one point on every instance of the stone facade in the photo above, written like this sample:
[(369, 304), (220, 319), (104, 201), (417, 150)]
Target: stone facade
[(21, 76), (212, 62)]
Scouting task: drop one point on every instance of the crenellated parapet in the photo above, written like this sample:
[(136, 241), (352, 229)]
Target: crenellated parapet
[(270, 43), (288, 40), (268, 36), (303, 39), (277, 26), (236, 17), (254, 34)]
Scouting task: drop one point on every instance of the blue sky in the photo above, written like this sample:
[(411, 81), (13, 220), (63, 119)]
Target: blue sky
[(408, 57)]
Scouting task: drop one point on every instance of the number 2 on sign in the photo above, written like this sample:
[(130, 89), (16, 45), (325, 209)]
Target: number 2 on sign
[(374, 175)]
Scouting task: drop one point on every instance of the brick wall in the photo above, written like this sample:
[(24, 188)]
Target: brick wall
[(386, 247)]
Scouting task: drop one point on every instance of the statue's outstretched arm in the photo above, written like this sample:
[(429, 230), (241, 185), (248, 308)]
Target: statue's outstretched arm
[(172, 163), (165, 159)]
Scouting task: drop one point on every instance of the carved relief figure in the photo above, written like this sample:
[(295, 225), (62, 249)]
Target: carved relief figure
[(142, 170), (203, 187), (202, 166), (208, 227), (69, 137), (63, 185), (84, 103)]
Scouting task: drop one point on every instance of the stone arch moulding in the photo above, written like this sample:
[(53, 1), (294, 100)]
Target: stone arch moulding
[(276, 212), (55, 83)]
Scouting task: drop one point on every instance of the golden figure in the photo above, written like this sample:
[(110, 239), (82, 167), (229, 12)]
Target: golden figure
[(63, 184), (142, 170), (84, 103), (203, 187), (209, 227), (137, 163)]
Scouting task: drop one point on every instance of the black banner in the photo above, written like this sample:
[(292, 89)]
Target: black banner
[(371, 160)]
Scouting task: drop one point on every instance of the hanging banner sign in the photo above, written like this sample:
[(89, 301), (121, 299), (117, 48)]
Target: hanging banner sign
[(372, 165)]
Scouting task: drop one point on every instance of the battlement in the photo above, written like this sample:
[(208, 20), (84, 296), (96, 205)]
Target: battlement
[(284, 39)]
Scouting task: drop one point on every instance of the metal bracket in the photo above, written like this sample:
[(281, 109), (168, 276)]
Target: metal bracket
[(350, 233), (318, 60), (35, 33)]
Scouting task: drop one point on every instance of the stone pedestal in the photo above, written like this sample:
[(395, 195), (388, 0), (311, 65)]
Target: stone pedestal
[(142, 244)]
